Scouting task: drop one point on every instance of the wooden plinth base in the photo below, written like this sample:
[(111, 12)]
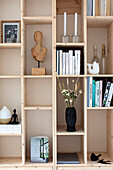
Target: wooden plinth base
[(38, 71)]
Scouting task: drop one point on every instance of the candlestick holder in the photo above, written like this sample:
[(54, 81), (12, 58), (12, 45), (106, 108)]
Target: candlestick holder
[(75, 38), (65, 38)]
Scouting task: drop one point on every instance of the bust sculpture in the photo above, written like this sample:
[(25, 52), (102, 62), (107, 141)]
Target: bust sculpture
[(38, 52)]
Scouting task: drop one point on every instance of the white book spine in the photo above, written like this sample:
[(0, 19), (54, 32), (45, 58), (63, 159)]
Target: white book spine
[(108, 102), (74, 65), (100, 93), (71, 61), (93, 7), (77, 54), (90, 91), (67, 62), (103, 8), (64, 63), (60, 62)]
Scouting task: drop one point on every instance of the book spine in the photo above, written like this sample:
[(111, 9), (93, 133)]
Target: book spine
[(96, 7), (103, 8), (99, 4), (108, 102), (106, 93), (100, 92), (77, 54), (60, 62), (74, 65), (111, 8), (67, 62), (89, 7), (57, 62), (93, 96), (71, 61), (93, 7), (97, 104), (90, 91), (64, 64), (108, 8)]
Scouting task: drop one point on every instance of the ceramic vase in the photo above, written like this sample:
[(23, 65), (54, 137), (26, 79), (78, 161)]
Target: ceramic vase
[(70, 119), (5, 115)]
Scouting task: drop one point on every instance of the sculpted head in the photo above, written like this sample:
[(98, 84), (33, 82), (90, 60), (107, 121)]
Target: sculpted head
[(38, 36)]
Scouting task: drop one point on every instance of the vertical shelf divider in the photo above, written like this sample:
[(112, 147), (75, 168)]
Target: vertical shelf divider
[(22, 79)]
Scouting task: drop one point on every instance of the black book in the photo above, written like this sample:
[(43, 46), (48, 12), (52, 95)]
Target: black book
[(67, 158)]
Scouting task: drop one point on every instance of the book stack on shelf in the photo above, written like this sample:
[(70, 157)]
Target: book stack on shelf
[(68, 63), (97, 96), (99, 7)]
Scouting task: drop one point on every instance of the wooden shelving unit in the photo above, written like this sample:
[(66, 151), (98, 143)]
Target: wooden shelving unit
[(37, 99)]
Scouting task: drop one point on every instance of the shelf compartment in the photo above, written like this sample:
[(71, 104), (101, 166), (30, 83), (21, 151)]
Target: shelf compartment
[(62, 131), (10, 161), (28, 163), (10, 45), (104, 156), (99, 21), (38, 20), (70, 44), (38, 107), (43, 76)]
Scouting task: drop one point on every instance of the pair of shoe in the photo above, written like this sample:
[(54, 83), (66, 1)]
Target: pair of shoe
[(96, 158)]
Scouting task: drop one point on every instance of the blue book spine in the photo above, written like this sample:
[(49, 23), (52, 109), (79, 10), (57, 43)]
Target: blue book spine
[(88, 92), (93, 96)]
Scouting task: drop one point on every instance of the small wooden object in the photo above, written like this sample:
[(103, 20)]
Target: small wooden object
[(38, 53), (38, 71)]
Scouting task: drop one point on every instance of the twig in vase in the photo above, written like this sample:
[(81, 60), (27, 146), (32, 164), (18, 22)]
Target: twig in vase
[(60, 86), (67, 83), (63, 85), (80, 92), (73, 81)]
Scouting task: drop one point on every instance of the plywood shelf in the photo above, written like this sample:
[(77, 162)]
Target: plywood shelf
[(43, 76), (99, 21), (11, 134), (10, 161), (38, 20), (10, 45), (28, 163), (61, 130), (64, 76), (100, 75), (70, 44), (38, 107), (10, 77), (100, 108)]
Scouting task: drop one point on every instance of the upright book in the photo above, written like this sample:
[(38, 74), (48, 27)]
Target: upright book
[(106, 93)]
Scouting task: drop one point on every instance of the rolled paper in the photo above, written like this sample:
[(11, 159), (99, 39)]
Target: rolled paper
[(64, 23), (75, 24)]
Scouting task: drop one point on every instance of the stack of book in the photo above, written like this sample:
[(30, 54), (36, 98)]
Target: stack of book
[(96, 96), (68, 63), (99, 7)]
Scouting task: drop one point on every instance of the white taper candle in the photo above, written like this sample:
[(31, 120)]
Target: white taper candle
[(75, 23), (64, 23)]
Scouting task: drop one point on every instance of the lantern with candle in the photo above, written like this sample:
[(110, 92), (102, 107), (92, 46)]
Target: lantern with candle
[(75, 37), (65, 37)]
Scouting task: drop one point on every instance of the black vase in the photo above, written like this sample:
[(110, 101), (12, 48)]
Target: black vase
[(70, 119)]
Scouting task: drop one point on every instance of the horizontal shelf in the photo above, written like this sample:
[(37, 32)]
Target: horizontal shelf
[(70, 76), (28, 163), (99, 21), (8, 77), (10, 161), (10, 45), (99, 108), (38, 107), (43, 76), (38, 20), (62, 131), (72, 165), (104, 156), (100, 75), (69, 44), (12, 134)]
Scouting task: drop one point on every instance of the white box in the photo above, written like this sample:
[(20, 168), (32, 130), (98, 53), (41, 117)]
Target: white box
[(10, 129)]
